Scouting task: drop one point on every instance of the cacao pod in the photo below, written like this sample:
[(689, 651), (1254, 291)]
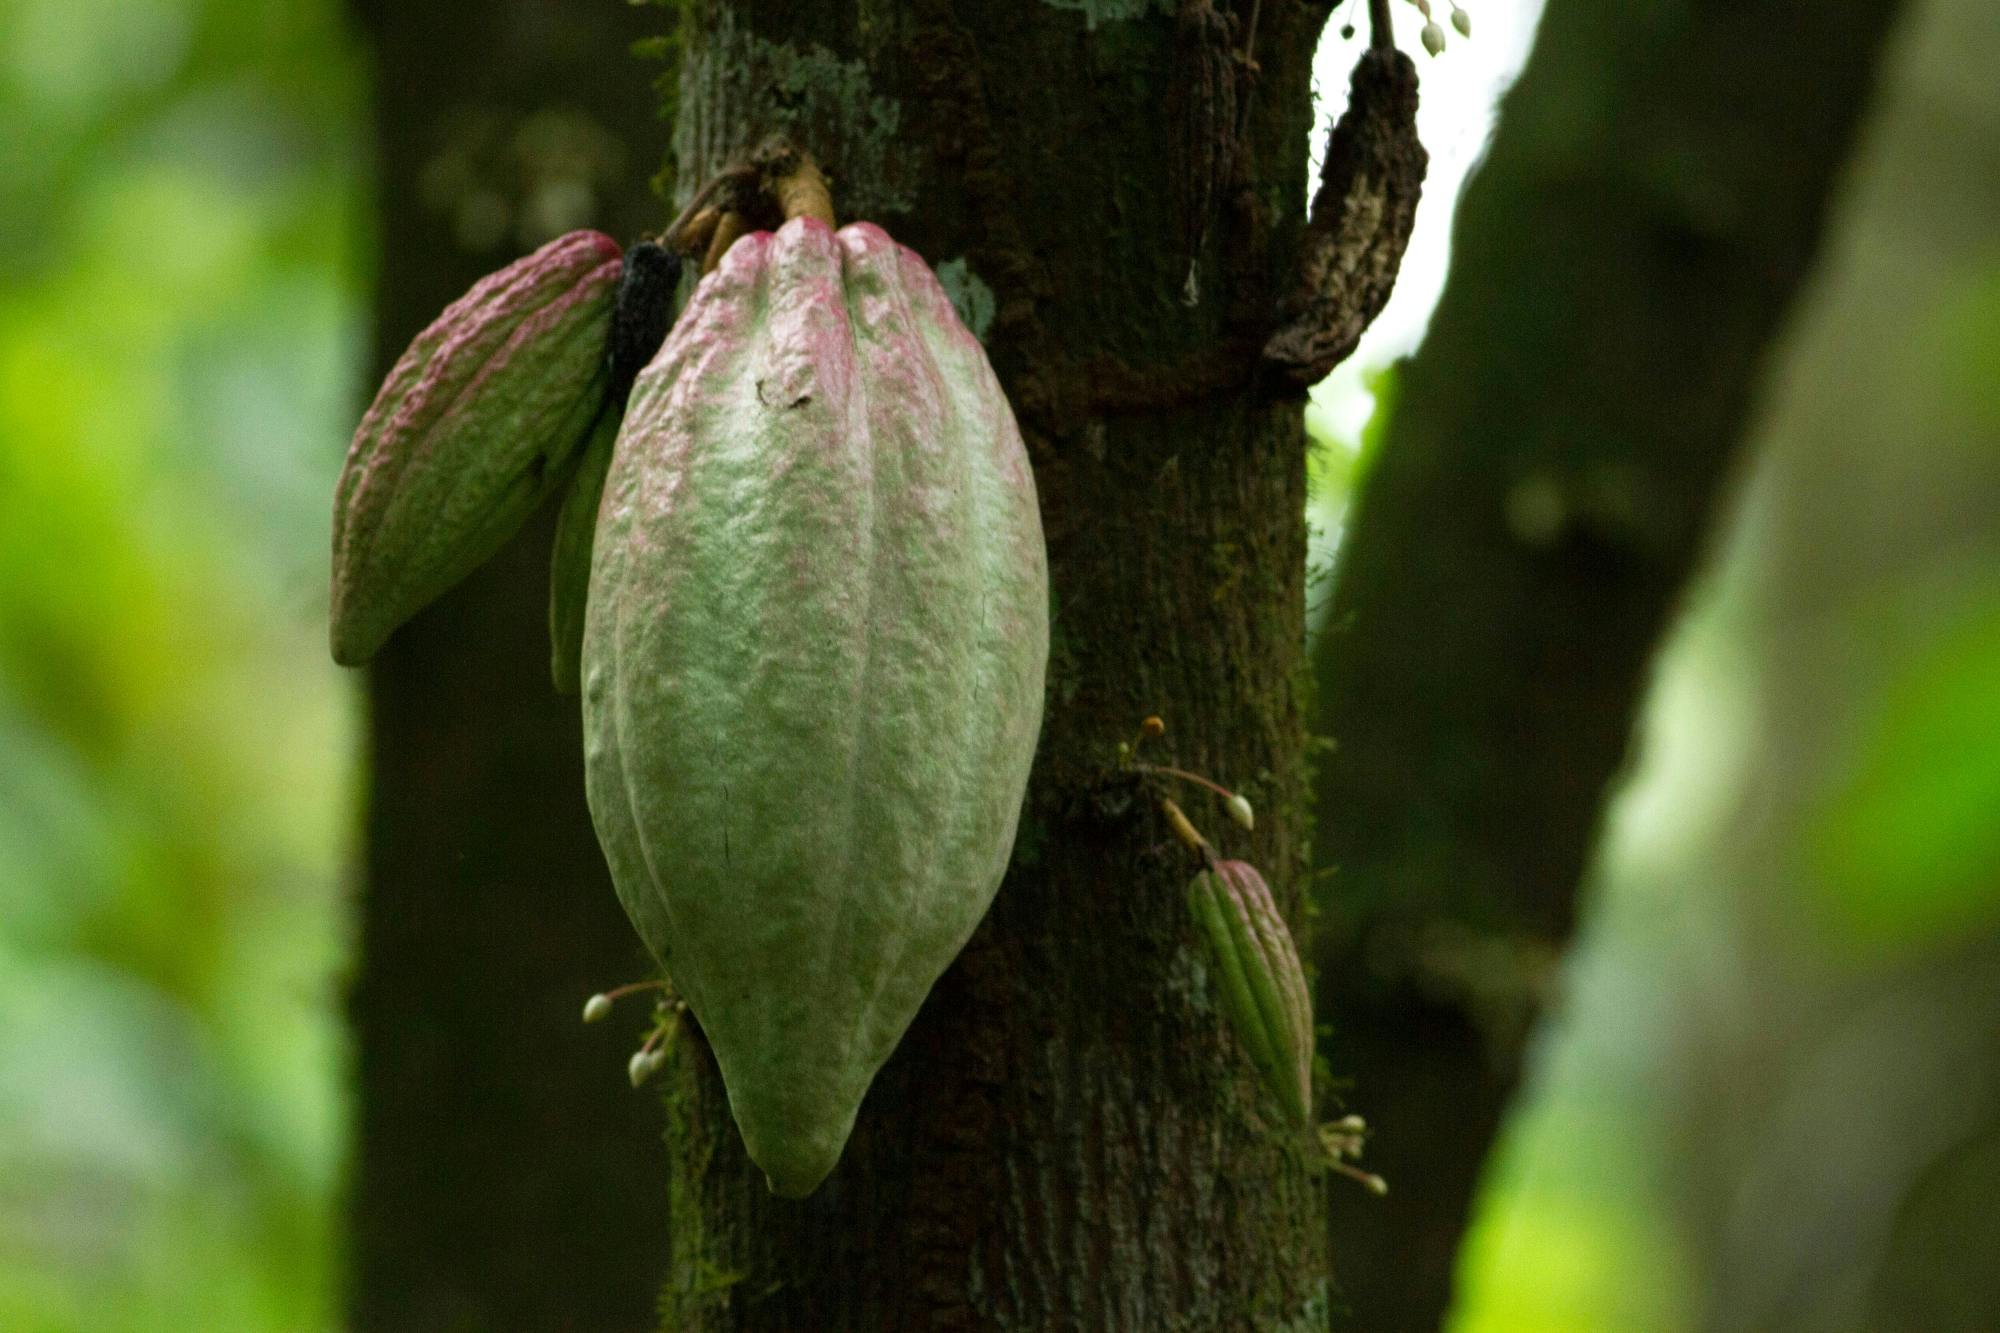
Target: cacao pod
[(477, 422), (1263, 984), (813, 664)]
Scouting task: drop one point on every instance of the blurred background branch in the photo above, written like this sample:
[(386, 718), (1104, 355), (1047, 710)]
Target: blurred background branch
[(1770, 1096), (1655, 194)]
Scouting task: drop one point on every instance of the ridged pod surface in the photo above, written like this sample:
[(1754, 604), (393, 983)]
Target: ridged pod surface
[(1262, 982), (473, 427), (813, 663)]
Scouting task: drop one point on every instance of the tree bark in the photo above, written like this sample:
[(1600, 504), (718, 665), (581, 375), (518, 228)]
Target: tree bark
[(1655, 196), (505, 1177), (1068, 1136)]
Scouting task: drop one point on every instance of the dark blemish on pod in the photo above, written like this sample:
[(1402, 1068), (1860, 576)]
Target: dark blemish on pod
[(643, 315)]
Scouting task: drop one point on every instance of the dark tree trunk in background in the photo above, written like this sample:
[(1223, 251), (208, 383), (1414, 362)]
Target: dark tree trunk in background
[(1069, 1137), (1654, 198), (505, 1176)]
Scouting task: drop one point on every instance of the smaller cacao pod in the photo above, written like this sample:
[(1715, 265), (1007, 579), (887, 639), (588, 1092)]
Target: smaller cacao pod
[(1263, 984), (474, 426)]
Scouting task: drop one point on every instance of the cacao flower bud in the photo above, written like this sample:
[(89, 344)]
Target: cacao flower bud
[(812, 666), (1240, 811), (1263, 984), (644, 1063), (474, 426)]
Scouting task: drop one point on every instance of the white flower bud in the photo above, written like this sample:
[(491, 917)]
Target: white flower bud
[(1433, 39), (1462, 21), (640, 1067), (1240, 811), (596, 1007)]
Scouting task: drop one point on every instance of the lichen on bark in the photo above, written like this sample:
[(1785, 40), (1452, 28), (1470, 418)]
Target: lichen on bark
[(799, 88)]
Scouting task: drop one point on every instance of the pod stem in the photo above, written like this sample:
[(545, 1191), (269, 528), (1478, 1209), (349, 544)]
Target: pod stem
[(779, 176), (688, 233), (1167, 770), (1186, 831), (728, 229), (794, 180), (1381, 28), (633, 988), (804, 193)]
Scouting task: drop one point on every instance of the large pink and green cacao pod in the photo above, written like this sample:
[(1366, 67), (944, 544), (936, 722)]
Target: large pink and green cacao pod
[(1262, 982), (476, 424), (812, 667)]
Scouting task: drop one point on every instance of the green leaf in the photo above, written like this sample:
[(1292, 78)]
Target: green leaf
[(1908, 849)]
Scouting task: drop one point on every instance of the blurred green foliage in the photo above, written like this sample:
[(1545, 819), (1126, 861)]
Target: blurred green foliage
[(180, 326), (1908, 848), (1770, 1095)]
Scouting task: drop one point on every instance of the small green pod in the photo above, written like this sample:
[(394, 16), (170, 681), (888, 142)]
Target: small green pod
[(1263, 984)]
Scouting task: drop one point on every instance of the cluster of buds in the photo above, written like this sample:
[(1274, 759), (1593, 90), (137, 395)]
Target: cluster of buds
[(1343, 1140), (652, 1054), (1433, 33)]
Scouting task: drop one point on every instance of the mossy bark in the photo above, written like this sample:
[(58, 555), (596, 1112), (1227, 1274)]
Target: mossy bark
[(504, 1176), (1068, 1137), (1655, 196)]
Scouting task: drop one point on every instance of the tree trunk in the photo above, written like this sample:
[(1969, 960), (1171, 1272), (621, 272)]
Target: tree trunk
[(505, 1176), (1069, 1136), (1655, 196)]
